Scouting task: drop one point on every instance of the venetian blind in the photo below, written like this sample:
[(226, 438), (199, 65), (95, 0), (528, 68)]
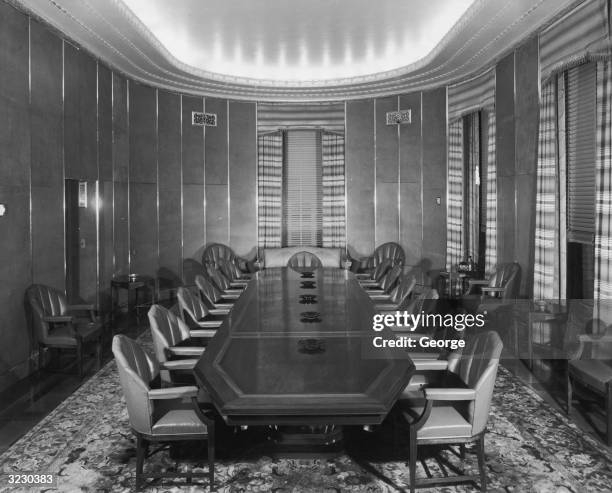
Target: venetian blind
[(581, 153), (302, 211)]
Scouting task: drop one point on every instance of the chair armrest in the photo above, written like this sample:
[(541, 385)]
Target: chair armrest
[(478, 282), (231, 296), (230, 293), (210, 324), (430, 364), (179, 364), (186, 351), (219, 311), (174, 392), (203, 333), (434, 394), (375, 296), (493, 290), (82, 307), (59, 319)]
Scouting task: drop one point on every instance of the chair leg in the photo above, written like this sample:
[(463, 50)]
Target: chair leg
[(41, 357), (79, 354), (211, 458), (412, 460), (462, 451), (480, 450), (140, 456), (568, 406), (99, 353), (609, 414)]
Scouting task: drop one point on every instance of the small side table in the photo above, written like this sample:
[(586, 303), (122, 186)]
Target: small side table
[(550, 313), (132, 284)]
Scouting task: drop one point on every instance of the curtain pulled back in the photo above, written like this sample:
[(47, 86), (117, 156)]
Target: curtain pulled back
[(454, 234), (270, 189), (334, 223)]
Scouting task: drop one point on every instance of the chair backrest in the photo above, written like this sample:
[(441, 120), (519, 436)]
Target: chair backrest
[(191, 268), (216, 251), (167, 330), (208, 291), (190, 304), (507, 276), (476, 365), (45, 301), (229, 269), (424, 302), (217, 278), (304, 259), (391, 251), (381, 269), (389, 280), (401, 293), (136, 372)]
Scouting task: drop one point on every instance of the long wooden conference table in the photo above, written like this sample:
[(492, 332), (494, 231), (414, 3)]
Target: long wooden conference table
[(297, 350)]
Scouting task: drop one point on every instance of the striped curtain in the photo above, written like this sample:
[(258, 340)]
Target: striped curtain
[(491, 201), (334, 224), (270, 189), (454, 225), (473, 185), (547, 225), (603, 194)]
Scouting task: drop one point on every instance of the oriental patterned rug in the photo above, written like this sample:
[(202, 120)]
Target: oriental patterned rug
[(86, 442)]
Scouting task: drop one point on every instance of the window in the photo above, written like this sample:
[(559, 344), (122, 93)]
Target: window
[(302, 184), (580, 150), (301, 188)]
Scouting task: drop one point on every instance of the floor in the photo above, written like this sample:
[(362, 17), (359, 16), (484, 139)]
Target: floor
[(24, 405)]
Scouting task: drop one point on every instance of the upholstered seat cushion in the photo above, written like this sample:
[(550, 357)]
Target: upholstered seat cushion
[(444, 422), (179, 422), (278, 257), (595, 373), (61, 334)]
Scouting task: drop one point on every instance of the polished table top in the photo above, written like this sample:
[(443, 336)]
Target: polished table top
[(296, 349)]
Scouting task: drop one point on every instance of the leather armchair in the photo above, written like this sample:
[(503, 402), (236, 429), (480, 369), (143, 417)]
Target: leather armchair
[(386, 284), (192, 268), (223, 283), (175, 349), (304, 260), (391, 251), (216, 303), (399, 298), (216, 251), (455, 409), (56, 324), (503, 285), (201, 323), (590, 368), (232, 272), (376, 275), (159, 414)]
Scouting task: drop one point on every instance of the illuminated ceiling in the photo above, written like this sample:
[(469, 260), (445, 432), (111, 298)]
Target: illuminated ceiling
[(297, 50)]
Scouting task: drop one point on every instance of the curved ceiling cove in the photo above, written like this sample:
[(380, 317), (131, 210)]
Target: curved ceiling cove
[(271, 50)]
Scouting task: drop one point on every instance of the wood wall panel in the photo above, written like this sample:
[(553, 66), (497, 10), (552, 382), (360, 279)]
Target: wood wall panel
[(143, 228), (121, 136), (143, 134), (121, 228), (193, 221), (410, 140), (243, 178), (360, 178), (434, 177), (105, 123), (193, 143), (387, 173), (15, 254), (217, 214), (80, 125), (216, 143)]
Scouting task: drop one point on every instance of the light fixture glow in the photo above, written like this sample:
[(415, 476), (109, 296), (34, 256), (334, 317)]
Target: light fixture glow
[(266, 39)]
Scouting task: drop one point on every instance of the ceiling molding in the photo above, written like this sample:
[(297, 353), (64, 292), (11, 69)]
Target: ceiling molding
[(111, 32)]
